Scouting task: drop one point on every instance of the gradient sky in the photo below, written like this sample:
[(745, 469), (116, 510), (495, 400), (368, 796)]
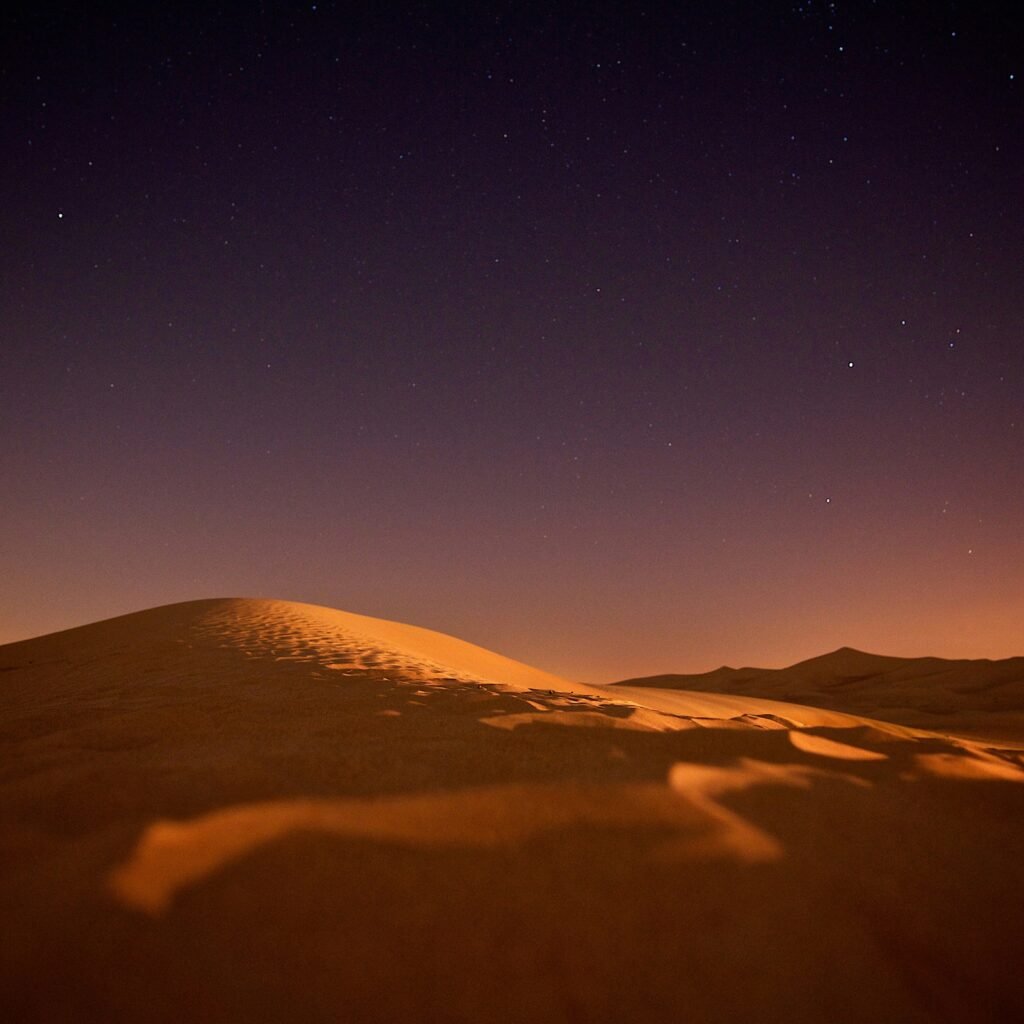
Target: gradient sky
[(630, 340)]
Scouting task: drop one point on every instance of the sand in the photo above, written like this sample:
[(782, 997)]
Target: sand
[(261, 810), (965, 697)]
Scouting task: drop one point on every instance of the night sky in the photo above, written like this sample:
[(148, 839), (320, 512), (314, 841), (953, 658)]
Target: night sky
[(621, 340)]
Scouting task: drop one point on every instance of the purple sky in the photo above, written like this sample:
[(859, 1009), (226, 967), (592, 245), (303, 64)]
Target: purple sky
[(627, 341)]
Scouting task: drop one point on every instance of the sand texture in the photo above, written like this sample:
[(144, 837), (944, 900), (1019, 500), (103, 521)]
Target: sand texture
[(965, 697), (263, 811)]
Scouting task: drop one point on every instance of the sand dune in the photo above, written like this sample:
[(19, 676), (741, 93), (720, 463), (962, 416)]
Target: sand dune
[(262, 810), (978, 698)]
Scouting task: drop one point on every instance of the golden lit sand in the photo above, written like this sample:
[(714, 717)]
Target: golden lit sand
[(262, 810), (173, 855), (978, 698)]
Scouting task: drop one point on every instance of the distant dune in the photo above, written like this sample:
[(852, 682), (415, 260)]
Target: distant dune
[(979, 698), (262, 810)]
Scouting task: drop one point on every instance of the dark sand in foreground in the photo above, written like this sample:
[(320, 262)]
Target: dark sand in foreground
[(258, 810)]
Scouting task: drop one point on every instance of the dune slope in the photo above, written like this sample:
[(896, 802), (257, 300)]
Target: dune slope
[(262, 810), (979, 698)]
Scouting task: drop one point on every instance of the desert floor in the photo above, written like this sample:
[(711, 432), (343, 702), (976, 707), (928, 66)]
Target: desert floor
[(258, 810)]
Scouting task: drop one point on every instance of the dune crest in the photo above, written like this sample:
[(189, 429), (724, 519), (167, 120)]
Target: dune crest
[(306, 633), (979, 698), (814, 744)]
